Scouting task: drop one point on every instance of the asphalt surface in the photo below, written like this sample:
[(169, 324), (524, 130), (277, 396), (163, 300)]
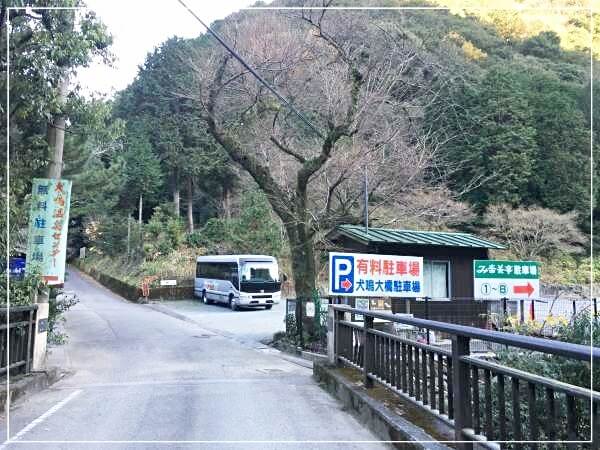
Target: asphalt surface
[(247, 325), (140, 378)]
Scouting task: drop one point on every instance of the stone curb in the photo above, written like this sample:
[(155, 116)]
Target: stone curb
[(385, 424), (28, 384)]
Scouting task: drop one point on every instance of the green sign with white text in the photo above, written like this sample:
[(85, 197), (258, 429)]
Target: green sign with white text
[(506, 269), (495, 279)]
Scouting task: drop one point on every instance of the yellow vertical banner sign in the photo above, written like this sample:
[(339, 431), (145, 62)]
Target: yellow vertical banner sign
[(48, 226)]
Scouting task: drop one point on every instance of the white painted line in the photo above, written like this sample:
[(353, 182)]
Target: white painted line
[(178, 383), (40, 419)]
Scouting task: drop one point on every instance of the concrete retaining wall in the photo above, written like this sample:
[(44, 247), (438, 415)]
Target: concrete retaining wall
[(134, 293)]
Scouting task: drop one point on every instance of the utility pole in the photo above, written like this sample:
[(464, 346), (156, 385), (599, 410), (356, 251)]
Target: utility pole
[(366, 201), (56, 132)]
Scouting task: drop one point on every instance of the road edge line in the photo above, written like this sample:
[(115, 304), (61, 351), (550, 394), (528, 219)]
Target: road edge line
[(31, 425)]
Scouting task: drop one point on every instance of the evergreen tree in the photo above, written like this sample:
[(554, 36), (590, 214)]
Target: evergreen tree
[(559, 179), (491, 138), (143, 174)]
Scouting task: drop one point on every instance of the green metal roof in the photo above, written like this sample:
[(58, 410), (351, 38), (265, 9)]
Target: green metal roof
[(409, 237)]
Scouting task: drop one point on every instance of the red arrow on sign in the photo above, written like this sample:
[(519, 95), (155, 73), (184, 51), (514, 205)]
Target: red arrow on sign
[(527, 289), (346, 284)]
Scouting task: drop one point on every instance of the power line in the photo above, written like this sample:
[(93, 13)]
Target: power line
[(281, 98)]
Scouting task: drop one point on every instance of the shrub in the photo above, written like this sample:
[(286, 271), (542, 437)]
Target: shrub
[(194, 239), (58, 305), (577, 331), (108, 235), (163, 233), (253, 231), (22, 292), (534, 232)]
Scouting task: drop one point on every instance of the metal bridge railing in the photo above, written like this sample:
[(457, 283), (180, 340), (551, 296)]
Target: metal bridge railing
[(16, 340), (483, 401)]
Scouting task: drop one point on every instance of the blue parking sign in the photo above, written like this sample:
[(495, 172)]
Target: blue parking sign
[(342, 274)]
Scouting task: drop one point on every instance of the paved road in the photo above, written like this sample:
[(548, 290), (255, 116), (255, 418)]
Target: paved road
[(251, 325), (140, 375)]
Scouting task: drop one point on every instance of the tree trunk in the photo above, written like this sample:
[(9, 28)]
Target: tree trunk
[(291, 209), (190, 205), (303, 255), (176, 196), (56, 132), (226, 203), (128, 236), (176, 201), (140, 212), (303, 268)]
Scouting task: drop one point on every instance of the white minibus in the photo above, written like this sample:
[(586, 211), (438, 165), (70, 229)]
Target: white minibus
[(238, 280)]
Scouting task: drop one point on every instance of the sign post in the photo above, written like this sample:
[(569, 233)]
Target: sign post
[(495, 279), (47, 249)]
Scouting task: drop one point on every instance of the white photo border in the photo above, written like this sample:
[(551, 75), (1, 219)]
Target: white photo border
[(16, 439)]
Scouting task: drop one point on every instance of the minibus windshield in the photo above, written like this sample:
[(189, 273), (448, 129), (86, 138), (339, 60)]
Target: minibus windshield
[(255, 271)]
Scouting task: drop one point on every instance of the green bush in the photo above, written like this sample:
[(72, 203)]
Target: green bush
[(164, 233), (22, 292), (56, 308), (578, 331), (108, 235), (569, 270), (253, 231), (194, 239)]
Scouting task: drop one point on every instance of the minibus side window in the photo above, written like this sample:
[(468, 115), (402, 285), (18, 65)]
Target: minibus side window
[(234, 277)]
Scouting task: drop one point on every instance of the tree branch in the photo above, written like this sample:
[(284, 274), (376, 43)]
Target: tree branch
[(277, 197), (287, 150)]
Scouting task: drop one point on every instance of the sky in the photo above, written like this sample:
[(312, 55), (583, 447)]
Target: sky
[(138, 26)]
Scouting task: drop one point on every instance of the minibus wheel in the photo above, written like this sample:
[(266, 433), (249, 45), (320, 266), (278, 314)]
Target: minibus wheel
[(268, 306), (232, 304), (205, 300)]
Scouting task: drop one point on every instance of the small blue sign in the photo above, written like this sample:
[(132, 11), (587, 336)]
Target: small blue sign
[(16, 267), (342, 270)]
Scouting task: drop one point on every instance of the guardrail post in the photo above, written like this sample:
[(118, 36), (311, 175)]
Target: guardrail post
[(368, 352), (331, 335), (427, 316), (461, 385), (30, 339), (299, 324), (595, 308), (521, 311), (338, 316)]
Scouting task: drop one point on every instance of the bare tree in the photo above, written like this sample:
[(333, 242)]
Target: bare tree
[(430, 209), (356, 78), (534, 232)]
